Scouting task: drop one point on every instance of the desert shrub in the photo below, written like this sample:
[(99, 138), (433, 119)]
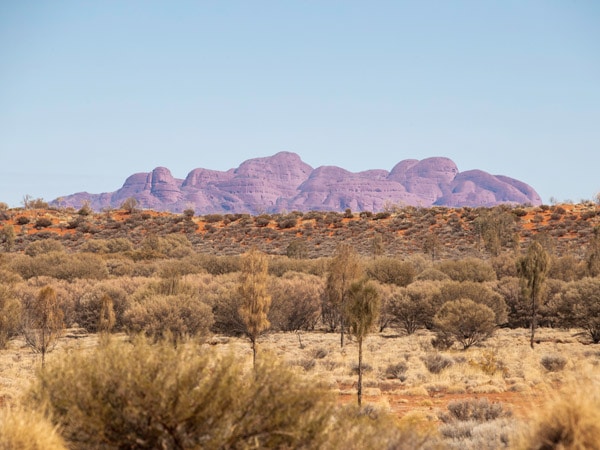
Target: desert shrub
[(476, 409), (519, 311), (488, 362), (116, 245), (44, 246), (174, 316), (297, 249), (10, 315), (579, 306), (43, 222), (22, 220), (553, 363), (480, 293), (468, 322), (477, 424), (213, 218), (320, 353), (22, 429), (287, 221), (366, 367), (411, 308), (436, 362), (505, 265), (218, 265), (225, 303), (89, 304), (158, 396), (94, 246), (391, 271), (263, 220), (431, 274), (570, 421), (566, 268), (120, 267), (468, 269), (396, 371), (295, 301), (61, 265)]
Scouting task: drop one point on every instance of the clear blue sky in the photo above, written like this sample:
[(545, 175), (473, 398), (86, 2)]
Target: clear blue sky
[(91, 92)]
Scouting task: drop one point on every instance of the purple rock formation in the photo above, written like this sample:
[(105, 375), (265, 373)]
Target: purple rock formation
[(283, 182)]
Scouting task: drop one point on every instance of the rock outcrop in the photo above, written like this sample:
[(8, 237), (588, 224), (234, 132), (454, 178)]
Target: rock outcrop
[(283, 182)]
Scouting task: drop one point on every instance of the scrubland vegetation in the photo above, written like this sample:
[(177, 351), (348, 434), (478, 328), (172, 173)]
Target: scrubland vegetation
[(451, 328)]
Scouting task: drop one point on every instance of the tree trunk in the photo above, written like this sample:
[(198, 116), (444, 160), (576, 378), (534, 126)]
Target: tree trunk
[(342, 322), (533, 319), (254, 353), (360, 370)]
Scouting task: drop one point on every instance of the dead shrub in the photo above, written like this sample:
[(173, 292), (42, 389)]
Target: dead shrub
[(396, 371), (553, 363), (473, 409), (436, 362)]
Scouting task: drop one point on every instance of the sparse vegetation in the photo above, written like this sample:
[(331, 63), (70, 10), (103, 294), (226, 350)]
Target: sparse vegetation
[(172, 277)]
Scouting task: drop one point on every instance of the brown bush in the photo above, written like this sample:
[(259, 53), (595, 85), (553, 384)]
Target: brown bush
[(295, 301), (468, 322), (173, 316), (571, 421), (391, 271), (479, 293), (184, 397), (468, 269), (21, 429)]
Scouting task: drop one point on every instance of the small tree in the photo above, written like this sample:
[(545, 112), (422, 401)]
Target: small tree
[(344, 269), (411, 309), (107, 315), (468, 322), (592, 258), (10, 315), (254, 299), (7, 237), (43, 322), (362, 312), (532, 271), (129, 205), (431, 245)]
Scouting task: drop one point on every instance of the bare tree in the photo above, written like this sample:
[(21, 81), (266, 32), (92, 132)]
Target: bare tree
[(532, 271), (43, 322), (344, 269), (254, 298), (362, 312)]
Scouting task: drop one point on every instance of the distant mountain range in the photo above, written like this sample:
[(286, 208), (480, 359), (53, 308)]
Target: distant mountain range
[(283, 182)]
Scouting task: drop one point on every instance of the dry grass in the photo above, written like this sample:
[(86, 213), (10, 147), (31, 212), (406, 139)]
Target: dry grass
[(519, 379)]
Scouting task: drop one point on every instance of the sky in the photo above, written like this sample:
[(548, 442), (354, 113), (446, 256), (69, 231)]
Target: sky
[(92, 92)]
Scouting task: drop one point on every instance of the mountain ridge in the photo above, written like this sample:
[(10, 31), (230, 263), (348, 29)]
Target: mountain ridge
[(283, 182)]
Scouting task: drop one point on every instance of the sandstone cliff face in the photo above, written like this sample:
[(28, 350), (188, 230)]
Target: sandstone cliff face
[(283, 182)]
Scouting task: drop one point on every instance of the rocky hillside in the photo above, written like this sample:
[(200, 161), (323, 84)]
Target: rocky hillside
[(283, 182)]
